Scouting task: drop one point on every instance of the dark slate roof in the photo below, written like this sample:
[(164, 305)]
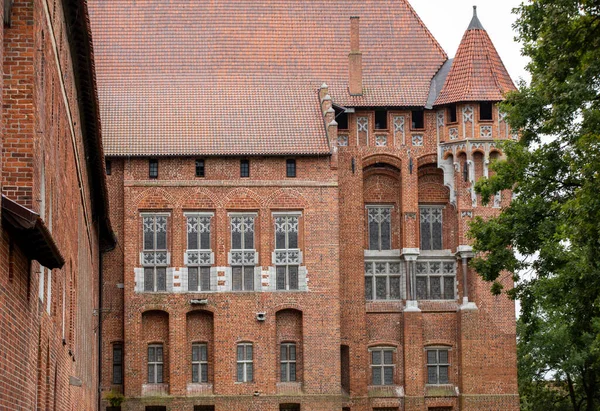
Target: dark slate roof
[(477, 72), (241, 77)]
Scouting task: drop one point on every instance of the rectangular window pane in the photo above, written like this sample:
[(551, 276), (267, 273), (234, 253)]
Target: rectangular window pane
[(449, 288), (236, 274), (443, 374), (117, 374), (192, 235), (249, 352), (283, 372), (376, 373), (240, 352), (385, 235), (193, 279), (205, 240), (368, 288), (388, 375), (292, 352), (159, 354), (159, 373), (203, 353), (388, 357), (148, 233), (435, 287), (280, 224), (380, 287), (432, 357), (151, 378), (395, 288), (240, 371), (204, 374), (443, 356), (292, 366), (293, 237), (148, 279), (280, 280), (283, 352), (161, 233), (436, 234), (425, 234), (195, 352), (195, 372), (373, 235), (236, 240), (421, 288), (376, 357), (249, 238), (432, 375), (249, 278), (205, 278), (161, 279), (249, 372), (199, 168), (293, 274), (117, 354)]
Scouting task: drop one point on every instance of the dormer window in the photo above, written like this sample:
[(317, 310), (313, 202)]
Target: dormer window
[(485, 111)]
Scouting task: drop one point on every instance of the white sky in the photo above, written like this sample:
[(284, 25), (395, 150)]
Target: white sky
[(448, 19)]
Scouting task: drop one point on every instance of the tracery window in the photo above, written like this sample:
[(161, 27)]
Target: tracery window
[(380, 227), (155, 256), (199, 256), (242, 254)]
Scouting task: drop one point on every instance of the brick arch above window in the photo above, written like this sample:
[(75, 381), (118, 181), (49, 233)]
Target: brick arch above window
[(242, 198), (199, 198), (388, 159), (287, 198), (154, 198), (427, 159)]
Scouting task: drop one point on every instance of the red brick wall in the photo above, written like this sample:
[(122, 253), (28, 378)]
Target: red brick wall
[(36, 120)]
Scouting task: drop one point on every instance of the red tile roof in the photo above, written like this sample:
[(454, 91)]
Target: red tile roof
[(184, 77), (477, 72)]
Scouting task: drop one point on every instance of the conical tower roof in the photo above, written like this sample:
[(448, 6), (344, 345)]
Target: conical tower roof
[(477, 72)]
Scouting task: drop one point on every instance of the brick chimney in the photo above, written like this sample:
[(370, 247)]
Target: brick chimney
[(355, 85)]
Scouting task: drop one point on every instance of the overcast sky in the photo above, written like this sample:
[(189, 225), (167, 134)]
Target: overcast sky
[(448, 20)]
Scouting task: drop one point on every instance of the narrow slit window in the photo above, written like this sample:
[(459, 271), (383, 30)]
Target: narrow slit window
[(153, 168), (117, 364), (199, 168), (244, 168), (290, 167), (342, 120), (108, 167), (155, 364)]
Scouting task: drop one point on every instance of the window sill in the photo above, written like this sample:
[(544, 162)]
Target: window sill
[(199, 388), (438, 305), (491, 120), (382, 254), (441, 390), (289, 388), (436, 253), (385, 391)]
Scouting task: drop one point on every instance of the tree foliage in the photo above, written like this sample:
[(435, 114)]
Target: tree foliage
[(550, 234)]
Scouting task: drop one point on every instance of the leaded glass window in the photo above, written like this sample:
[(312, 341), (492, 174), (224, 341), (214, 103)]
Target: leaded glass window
[(287, 362), (287, 253), (431, 228), (155, 363), (436, 280), (384, 280), (438, 364), (199, 362), (155, 254), (245, 369), (382, 366), (242, 253), (198, 253), (380, 227)]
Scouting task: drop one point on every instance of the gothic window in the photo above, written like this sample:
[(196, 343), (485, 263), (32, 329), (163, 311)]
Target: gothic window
[(245, 369), (155, 255), (380, 227), (287, 362), (199, 362), (198, 254), (383, 280), (155, 363), (431, 227), (438, 364), (436, 280), (382, 366), (287, 253), (242, 252)]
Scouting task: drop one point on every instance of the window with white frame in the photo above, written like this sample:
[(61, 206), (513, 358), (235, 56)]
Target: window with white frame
[(287, 254), (155, 256), (199, 362), (198, 256), (245, 369), (438, 364), (436, 280), (287, 362), (242, 254), (383, 280), (380, 227), (382, 366), (431, 227), (155, 363)]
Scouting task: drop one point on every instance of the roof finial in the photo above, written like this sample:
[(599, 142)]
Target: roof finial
[(475, 23)]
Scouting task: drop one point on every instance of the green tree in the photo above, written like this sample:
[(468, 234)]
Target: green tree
[(550, 234)]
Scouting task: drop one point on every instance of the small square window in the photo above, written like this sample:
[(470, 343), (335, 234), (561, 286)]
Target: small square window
[(200, 168), (290, 167), (244, 168), (108, 167), (485, 110), (418, 119), (452, 113), (153, 168), (381, 120)]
